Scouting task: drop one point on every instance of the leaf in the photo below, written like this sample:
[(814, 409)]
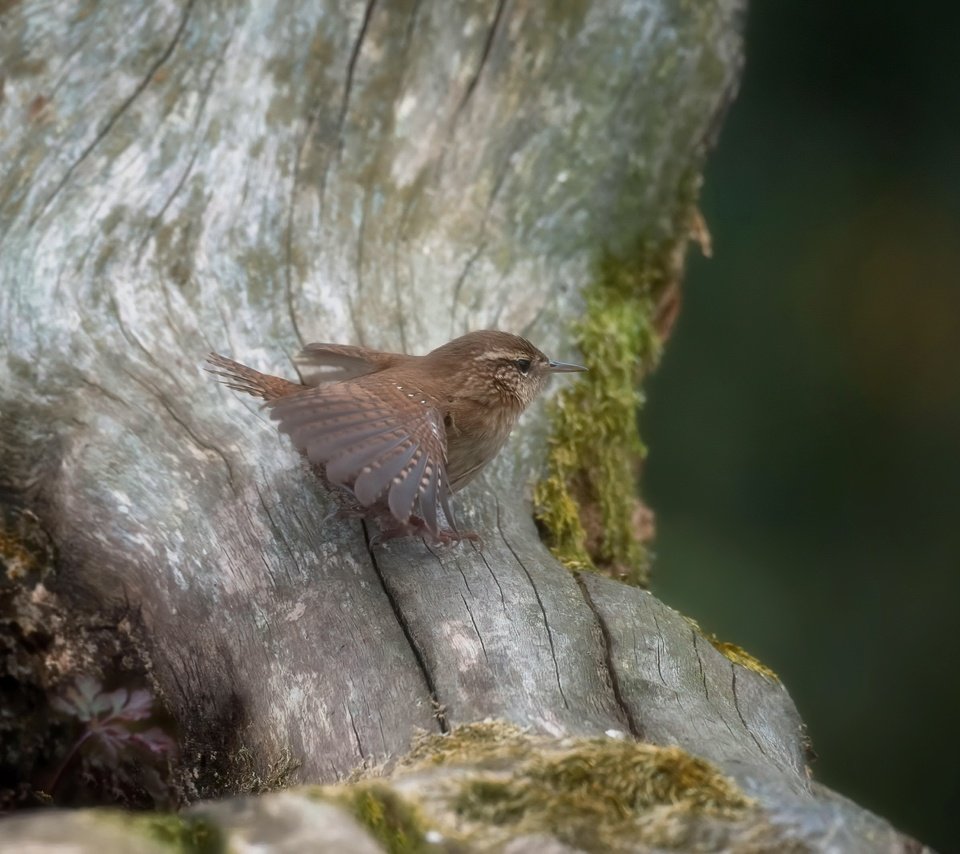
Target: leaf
[(115, 701), (88, 688), (81, 700), (89, 698), (86, 700), (155, 740), (110, 740), (138, 706), (64, 706)]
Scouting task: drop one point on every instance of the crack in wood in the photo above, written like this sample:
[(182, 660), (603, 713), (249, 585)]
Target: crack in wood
[(383, 737), (92, 31), (720, 703), (115, 117), (463, 575), (461, 279), (356, 734), (281, 536), (504, 297), (456, 563), (397, 300), (356, 299), (543, 611), (661, 646), (483, 557), (101, 390), (437, 167), (341, 121), (476, 629), (26, 148), (484, 56), (288, 238), (528, 328), (481, 237), (351, 68), (703, 674), (314, 113), (196, 147), (400, 316), (418, 656), (656, 622), (136, 342), (635, 729), (497, 184), (736, 705), (288, 259), (204, 446)]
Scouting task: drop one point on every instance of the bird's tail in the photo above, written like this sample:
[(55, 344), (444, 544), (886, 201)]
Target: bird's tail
[(241, 378)]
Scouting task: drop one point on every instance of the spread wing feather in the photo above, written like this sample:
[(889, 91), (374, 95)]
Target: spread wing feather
[(429, 495), (377, 476), (349, 465), (405, 489), (323, 445), (323, 363), (374, 441)]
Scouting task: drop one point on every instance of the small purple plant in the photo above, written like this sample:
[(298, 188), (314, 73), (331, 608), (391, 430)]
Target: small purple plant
[(110, 720)]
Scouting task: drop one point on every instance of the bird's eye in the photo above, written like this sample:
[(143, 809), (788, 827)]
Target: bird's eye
[(523, 365)]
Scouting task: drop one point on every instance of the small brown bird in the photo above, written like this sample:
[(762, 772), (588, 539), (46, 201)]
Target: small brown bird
[(395, 430)]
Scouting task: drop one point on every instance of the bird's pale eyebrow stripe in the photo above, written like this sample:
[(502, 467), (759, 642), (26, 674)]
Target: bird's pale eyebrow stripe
[(500, 355)]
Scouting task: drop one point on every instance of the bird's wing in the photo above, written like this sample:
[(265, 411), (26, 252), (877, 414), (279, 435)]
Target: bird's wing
[(322, 363), (376, 441)]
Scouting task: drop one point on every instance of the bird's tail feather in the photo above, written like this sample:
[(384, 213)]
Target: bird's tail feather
[(241, 378)]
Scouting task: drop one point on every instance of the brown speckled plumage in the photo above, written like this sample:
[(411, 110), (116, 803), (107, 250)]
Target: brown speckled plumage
[(398, 430)]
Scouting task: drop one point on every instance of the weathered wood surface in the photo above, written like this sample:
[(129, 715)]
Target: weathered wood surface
[(244, 177)]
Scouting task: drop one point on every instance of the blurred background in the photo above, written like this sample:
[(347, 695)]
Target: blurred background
[(804, 425)]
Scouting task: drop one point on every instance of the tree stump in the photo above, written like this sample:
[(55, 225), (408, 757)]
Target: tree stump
[(181, 177)]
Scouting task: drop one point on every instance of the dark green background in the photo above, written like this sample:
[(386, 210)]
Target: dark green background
[(804, 425)]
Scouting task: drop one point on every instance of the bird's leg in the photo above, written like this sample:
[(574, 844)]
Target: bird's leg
[(448, 537), (415, 526), (445, 536), (342, 513)]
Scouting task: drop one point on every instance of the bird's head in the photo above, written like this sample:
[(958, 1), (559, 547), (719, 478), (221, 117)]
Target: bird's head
[(498, 366)]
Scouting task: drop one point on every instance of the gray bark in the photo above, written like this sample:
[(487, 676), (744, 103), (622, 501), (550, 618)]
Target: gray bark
[(242, 177)]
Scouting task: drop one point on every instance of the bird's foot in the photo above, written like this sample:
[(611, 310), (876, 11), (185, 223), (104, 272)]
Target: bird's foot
[(443, 537), (448, 537), (344, 513), (417, 527)]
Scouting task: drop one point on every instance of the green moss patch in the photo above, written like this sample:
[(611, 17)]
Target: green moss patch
[(734, 653), (484, 784), (740, 656), (393, 821), (485, 744), (600, 793), (179, 833), (494, 781), (587, 502)]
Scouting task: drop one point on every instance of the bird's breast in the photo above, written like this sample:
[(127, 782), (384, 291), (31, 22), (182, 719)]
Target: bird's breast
[(473, 440)]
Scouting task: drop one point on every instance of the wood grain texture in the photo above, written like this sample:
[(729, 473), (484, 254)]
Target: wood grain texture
[(181, 177)]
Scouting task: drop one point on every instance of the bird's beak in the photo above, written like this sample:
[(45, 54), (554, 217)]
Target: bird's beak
[(564, 367)]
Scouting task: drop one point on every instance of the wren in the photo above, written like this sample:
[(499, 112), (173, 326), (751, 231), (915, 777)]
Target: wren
[(397, 431)]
